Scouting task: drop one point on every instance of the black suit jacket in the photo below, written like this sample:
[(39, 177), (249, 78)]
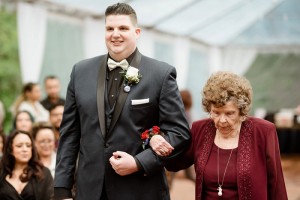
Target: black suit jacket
[(84, 135)]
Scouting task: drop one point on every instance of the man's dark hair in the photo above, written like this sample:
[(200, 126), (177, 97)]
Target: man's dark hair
[(122, 9), (56, 105), (50, 77)]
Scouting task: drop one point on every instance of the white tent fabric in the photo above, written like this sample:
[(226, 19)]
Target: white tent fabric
[(213, 22), (228, 26), (93, 37), (182, 52), (238, 59), (32, 21)]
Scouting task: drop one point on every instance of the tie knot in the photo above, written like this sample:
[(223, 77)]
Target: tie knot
[(113, 64)]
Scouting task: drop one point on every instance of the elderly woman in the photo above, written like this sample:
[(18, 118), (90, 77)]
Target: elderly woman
[(235, 156), (22, 176)]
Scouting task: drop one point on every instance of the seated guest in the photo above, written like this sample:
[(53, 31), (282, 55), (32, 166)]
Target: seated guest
[(2, 113), (236, 156), (2, 142), (29, 101), (22, 176), (44, 140), (297, 117), (52, 88), (23, 121), (56, 113)]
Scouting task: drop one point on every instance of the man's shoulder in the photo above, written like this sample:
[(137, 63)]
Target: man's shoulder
[(90, 61), (154, 62)]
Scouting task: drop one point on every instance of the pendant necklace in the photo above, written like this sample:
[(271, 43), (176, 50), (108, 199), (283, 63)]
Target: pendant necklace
[(220, 185), (220, 193)]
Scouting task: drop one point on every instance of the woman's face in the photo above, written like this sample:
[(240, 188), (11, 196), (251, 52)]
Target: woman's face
[(227, 118), (23, 122), (22, 148), (34, 94), (45, 142)]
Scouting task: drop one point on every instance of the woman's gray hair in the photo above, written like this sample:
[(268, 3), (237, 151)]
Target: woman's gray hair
[(222, 87)]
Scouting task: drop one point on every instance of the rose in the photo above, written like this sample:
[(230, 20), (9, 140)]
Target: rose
[(148, 134), (132, 72), (132, 75), (155, 130), (145, 135)]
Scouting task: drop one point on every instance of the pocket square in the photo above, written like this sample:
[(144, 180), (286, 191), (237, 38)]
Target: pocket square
[(139, 101)]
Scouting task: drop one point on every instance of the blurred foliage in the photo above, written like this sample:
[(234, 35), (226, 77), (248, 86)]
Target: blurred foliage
[(10, 74)]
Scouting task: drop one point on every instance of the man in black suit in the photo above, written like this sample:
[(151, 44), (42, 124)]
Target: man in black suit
[(107, 109)]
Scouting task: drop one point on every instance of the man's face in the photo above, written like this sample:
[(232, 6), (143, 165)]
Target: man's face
[(120, 36), (52, 87)]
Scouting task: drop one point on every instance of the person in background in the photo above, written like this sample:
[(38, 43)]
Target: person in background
[(2, 135), (56, 113), (106, 114), (2, 142), (2, 114), (22, 176), (188, 104), (297, 117), (236, 156), (52, 88), (29, 101), (44, 140), (23, 121)]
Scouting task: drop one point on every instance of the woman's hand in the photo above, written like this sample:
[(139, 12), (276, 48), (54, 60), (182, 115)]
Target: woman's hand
[(160, 146)]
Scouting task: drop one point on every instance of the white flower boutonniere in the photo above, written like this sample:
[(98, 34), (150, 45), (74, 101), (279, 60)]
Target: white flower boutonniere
[(132, 77)]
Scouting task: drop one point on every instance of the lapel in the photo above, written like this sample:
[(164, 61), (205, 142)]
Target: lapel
[(245, 160), (206, 143), (101, 94), (123, 95)]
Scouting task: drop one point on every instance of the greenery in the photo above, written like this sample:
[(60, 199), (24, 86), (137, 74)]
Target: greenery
[(10, 75)]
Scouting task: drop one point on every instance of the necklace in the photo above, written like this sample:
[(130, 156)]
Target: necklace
[(220, 185), (220, 193)]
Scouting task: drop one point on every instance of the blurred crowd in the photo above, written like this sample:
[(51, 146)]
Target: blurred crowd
[(34, 135), (28, 150)]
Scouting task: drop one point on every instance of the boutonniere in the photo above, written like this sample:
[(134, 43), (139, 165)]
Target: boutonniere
[(132, 77), (148, 134)]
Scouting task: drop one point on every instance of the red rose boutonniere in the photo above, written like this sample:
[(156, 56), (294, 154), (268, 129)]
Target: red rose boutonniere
[(148, 134)]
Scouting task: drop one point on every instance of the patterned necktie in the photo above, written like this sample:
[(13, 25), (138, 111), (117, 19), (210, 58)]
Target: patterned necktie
[(113, 64)]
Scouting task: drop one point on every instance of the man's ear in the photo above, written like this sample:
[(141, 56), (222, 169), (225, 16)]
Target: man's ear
[(138, 32)]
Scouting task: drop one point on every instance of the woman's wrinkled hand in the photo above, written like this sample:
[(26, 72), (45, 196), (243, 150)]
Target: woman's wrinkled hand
[(160, 146)]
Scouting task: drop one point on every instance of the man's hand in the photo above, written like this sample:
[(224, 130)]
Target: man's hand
[(123, 163), (160, 145)]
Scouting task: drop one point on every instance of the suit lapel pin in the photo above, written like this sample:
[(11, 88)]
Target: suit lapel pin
[(127, 88)]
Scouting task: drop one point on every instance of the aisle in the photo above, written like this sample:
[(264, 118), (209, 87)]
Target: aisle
[(184, 189)]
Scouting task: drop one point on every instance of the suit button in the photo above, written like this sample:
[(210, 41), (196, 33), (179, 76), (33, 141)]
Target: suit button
[(106, 145), (109, 116)]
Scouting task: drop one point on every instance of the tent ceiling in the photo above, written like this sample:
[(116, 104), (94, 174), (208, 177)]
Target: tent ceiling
[(214, 22)]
